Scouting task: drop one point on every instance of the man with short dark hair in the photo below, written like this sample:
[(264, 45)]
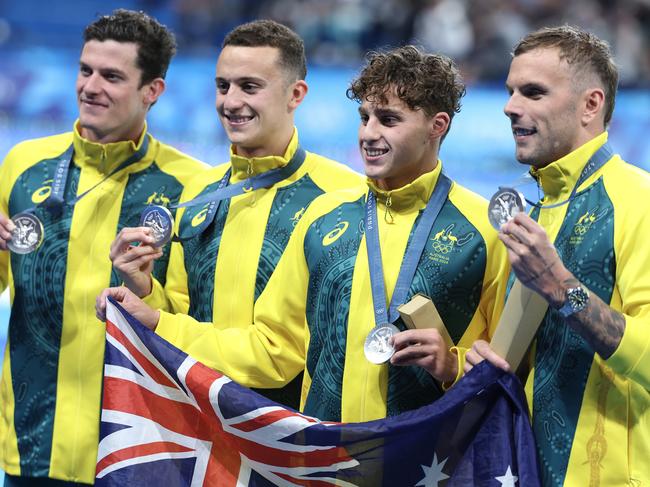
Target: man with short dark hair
[(71, 193), (319, 312), (229, 248), (581, 250)]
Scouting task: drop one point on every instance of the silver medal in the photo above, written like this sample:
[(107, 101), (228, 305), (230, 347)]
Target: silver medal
[(160, 220), (28, 234), (377, 346), (504, 205)]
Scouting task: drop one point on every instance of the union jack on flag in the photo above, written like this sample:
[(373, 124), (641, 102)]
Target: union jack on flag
[(168, 420)]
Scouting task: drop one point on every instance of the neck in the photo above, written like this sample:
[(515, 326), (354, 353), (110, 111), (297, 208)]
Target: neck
[(401, 180), (98, 138), (277, 147)]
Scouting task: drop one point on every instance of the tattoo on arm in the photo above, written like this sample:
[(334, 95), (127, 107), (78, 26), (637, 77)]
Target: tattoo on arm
[(601, 326), (537, 275)]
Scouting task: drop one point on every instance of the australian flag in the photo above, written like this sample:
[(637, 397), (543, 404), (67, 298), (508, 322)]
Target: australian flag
[(168, 420)]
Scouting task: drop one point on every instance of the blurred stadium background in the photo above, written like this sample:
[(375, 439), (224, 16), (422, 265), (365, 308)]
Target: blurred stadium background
[(40, 43)]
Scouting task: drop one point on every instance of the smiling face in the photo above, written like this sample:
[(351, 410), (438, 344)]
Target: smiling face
[(256, 100), (112, 104), (545, 107), (397, 144)]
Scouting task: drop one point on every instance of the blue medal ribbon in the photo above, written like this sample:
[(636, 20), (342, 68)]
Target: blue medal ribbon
[(598, 160), (226, 191), (55, 201), (411, 257)]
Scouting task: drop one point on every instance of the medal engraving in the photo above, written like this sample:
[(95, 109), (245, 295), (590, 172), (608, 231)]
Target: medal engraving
[(504, 205), (28, 234), (377, 347), (159, 219)]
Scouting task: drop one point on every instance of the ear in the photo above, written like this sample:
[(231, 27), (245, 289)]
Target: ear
[(593, 108), (439, 125), (152, 91), (298, 91)]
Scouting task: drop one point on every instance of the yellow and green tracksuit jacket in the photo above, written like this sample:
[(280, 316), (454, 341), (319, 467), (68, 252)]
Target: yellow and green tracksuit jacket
[(591, 416), (316, 309), (53, 361), (217, 276)]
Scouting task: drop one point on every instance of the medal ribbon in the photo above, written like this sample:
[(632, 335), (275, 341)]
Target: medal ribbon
[(225, 191), (55, 200), (598, 160), (411, 257)]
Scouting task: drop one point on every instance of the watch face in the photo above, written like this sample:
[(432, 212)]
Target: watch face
[(578, 298)]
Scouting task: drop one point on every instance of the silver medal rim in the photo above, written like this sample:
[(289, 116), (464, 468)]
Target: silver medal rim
[(41, 232), (520, 201), (161, 209), (373, 357)]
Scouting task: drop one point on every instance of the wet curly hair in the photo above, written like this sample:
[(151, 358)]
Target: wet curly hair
[(428, 82)]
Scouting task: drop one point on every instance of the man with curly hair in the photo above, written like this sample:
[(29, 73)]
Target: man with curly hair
[(324, 308)]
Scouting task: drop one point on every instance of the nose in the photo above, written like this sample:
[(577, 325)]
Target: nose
[(512, 108), (91, 84), (369, 131), (230, 101)]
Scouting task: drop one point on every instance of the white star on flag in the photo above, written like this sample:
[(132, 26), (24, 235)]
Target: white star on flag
[(433, 474), (508, 480)]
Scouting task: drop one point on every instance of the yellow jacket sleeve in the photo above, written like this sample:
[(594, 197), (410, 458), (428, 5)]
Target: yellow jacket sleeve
[(632, 291), (4, 209), (271, 351)]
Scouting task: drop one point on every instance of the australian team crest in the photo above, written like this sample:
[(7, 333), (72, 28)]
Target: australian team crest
[(584, 224), (158, 198), (445, 242)]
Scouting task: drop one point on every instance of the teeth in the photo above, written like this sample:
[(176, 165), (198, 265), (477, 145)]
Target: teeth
[(520, 131), (239, 119), (375, 152)]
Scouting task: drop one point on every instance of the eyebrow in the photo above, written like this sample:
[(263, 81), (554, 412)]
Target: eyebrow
[(243, 79), (103, 70)]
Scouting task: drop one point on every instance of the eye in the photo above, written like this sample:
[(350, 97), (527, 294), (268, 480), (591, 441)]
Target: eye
[(249, 87), (389, 120), (222, 87), (112, 77), (364, 118), (534, 92), (85, 70)]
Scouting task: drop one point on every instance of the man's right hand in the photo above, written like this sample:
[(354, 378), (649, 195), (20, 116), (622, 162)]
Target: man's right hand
[(134, 263), (480, 351), (6, 227)]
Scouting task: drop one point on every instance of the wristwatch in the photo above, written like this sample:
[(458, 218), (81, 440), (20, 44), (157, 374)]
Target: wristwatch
[(576, 300)]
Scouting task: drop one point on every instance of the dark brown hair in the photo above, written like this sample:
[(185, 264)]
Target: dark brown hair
[(268, 33), (585, 52), (430, 82), (156, 44)]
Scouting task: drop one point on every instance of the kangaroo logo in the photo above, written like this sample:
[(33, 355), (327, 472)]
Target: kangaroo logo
[(444, 242), (297, 216), (158, 199)]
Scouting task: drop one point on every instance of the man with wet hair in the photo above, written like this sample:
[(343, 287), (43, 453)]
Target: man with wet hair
[(75, 191), (580, 250), (228, 249), (319, 312)]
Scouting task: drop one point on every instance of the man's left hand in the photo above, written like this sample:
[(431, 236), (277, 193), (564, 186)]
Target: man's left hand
[(426, 349), (534, 259)]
